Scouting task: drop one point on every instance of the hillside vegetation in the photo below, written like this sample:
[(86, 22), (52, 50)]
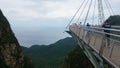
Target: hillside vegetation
[(77, 59), (50, 56), (114, 20)]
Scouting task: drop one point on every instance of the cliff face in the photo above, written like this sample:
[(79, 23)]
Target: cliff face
[(11, 55)]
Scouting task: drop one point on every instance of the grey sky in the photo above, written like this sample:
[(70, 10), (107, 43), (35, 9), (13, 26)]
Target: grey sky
[(41, 21)]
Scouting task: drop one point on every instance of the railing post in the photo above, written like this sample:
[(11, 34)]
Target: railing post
[(111, 51), (89, 37), (79, 31), (102, 45), (95, 40)]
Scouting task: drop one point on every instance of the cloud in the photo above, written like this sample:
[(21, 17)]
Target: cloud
[(28, 9), (34, 16)]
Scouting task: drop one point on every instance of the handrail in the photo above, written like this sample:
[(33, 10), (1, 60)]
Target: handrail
[(101, 28), (104, 32), (115, 26)]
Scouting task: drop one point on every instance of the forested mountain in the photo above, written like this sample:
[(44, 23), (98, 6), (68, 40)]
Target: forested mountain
[(114, 20), (11, 55), (50, 56)]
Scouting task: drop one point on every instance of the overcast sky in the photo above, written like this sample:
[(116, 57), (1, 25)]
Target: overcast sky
[(42, 21)]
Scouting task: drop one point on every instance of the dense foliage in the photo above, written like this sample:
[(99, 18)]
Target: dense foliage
[(77, 59), (3, 65), (114, 20), (51, 56)]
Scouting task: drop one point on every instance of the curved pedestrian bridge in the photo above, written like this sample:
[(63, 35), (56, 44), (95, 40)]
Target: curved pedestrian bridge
[(93, 42)]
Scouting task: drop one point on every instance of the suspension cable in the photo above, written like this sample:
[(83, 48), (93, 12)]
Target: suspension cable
[(82, 11), (88, 12), (94, 12), (110, 7), (75, 14)]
